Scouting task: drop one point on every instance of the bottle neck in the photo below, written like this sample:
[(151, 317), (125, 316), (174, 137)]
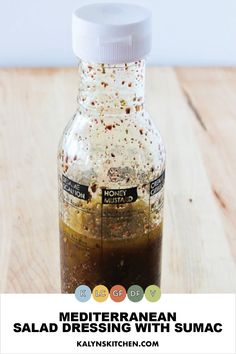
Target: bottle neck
[(112, 88)]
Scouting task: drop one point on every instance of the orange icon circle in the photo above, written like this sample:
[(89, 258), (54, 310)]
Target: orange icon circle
[(118, 293)]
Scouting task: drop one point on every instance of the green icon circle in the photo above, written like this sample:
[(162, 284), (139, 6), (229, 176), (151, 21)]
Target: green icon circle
[(153, 293), (135, 293)]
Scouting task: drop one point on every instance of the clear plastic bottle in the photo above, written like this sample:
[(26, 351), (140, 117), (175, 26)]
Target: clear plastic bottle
[(111, 168)]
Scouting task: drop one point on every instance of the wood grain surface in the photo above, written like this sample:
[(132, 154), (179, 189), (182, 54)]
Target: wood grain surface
[(195, 110)]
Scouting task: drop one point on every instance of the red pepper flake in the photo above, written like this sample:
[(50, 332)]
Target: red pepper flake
[(130, 84), (112, 154), (141, 131), (104, 84), (127, 111), (109, 127), (94, 188), (89, 197)]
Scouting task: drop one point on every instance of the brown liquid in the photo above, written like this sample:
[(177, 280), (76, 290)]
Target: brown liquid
[(109, 261)]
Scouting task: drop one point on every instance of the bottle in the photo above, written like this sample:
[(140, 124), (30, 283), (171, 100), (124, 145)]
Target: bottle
[(111, 158)]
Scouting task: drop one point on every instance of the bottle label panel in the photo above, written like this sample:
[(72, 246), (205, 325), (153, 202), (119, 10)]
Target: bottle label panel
[(119, 196), (157, 184), (77, 190)]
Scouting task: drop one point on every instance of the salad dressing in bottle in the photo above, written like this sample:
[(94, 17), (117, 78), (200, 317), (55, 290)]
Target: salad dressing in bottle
[(111, 158)]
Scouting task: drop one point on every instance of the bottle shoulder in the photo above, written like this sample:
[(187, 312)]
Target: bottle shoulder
[(130, 144), (119, 130)]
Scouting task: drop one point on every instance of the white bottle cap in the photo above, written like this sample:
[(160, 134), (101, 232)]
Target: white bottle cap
[(111, 32)]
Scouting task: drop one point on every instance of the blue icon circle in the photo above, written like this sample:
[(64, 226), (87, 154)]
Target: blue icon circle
[(83, 293)]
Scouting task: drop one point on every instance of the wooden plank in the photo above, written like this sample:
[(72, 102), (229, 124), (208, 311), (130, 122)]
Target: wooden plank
[(210, 93), (35, 105), (196, 255)]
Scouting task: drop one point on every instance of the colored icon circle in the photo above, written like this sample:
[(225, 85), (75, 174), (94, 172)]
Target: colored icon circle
[(135, 293), (153, 293), (100, 293), (118, 293), (83, 293)]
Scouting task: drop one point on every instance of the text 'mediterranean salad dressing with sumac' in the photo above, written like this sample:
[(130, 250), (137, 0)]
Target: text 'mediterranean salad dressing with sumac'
[(111, 158)]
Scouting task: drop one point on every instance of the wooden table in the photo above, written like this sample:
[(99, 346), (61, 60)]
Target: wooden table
[(195, 110)]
